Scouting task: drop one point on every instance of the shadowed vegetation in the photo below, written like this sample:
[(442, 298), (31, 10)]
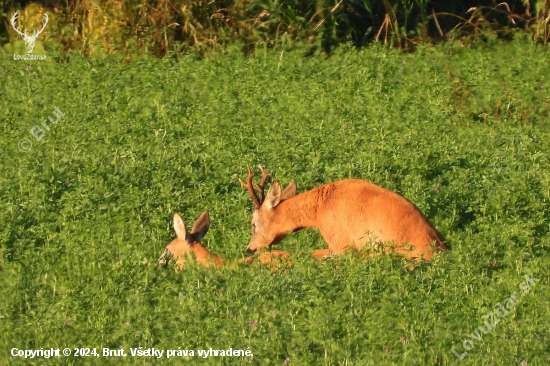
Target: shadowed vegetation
[(165, 27)]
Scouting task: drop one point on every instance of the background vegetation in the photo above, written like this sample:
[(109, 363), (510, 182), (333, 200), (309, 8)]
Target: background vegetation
[(165, 27), (462, 132)]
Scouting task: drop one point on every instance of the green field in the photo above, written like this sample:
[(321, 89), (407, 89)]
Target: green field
[(462, 132)]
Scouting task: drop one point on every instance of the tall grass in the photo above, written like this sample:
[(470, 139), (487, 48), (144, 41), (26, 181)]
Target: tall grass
[(163, 27)]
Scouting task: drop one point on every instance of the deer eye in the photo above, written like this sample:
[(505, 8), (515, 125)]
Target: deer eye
[(254, 225)]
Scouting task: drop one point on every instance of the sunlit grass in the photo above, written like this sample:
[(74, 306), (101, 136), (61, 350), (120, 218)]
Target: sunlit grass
[(87, 211)]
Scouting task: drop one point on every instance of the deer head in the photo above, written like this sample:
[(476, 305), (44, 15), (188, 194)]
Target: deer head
[(186, 243), (265, 221), (29, 40)]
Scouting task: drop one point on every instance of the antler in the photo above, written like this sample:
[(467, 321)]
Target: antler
[(261, 185), (250, 186), (13, 20)]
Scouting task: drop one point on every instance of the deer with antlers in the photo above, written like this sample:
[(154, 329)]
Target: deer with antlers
[(29, 40), (188, 245), (349, 214)]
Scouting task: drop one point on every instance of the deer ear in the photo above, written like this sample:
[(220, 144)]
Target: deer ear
[(179, 226), (290, 191), (201, 226), (273, 196)]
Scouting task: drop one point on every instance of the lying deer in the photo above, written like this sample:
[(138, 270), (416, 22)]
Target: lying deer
[(188, 245), (349, 214)]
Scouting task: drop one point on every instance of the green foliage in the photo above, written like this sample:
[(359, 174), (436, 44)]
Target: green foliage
[(463, 133)]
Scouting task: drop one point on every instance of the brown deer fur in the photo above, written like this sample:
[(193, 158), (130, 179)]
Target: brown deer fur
[(349, 214), (188, 245)]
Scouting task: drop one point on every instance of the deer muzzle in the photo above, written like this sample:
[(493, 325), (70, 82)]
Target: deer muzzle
[(164, 258)]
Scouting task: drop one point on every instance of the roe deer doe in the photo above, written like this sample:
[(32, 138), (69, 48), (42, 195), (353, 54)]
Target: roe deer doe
[(348, 213), (189, 244)]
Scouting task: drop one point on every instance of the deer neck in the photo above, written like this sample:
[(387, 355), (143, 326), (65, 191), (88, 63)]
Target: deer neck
[(205, 257), (298, 212)]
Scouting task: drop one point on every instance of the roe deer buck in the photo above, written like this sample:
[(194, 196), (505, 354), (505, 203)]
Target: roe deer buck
[(348, 213), (189, 244)]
